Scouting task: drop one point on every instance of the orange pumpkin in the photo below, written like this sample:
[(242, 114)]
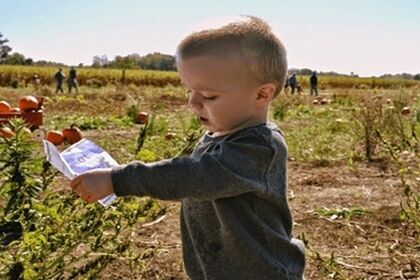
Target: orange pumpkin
[(6, 132), (170, 135), (28, 103), (142, 117), (72, 134), (55, 137), (406, 111), (4, 107)]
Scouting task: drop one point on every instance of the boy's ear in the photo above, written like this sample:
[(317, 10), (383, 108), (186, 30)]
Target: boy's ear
[(266, 92)]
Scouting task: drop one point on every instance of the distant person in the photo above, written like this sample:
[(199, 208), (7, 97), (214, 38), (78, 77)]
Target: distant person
[(293, 83), (314, 83), (71, 81), (59, 78)]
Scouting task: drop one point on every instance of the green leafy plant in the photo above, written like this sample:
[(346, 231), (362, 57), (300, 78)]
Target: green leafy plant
[(132, 112), (340, 213), (330, 266), (49, 233), (280, 110), (368, 117), (400, 129), (410, 201)]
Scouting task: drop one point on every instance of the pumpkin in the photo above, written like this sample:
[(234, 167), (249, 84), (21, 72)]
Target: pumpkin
[(28, 103), (324, 101), (315, 102), (6, 132), (405, 111), (142, 117), (72, 134), (4, 107), (55, 137), (170, 135)]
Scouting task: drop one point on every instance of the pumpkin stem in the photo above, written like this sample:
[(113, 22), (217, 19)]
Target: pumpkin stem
[(73, 125), (40, 101)]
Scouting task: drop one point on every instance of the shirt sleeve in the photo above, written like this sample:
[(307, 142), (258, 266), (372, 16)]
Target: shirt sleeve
[(232, 168)]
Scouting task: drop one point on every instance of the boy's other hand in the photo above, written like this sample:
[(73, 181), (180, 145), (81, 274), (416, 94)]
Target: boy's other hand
[(93, 185)]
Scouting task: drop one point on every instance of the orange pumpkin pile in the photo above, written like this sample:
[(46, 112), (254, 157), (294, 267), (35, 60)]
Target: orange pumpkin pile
[(70, 135), (25, 104)]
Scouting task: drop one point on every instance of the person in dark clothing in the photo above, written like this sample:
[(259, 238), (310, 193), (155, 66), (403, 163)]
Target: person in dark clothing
[(314, 84), (71, 81), (235, 219), (293, 83), (59, 78)]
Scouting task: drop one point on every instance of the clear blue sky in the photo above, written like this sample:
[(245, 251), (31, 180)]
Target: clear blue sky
[(368, 37)]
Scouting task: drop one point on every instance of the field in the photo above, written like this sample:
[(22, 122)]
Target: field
[(17, 76), (353, 182)]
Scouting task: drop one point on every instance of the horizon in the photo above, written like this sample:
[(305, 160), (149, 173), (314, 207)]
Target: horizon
[(368, 38)]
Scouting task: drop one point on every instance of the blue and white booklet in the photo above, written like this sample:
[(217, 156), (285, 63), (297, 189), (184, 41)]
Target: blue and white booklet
[(79, 158)]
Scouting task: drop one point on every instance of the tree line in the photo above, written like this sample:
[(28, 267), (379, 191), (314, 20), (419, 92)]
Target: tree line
[(151, 61)]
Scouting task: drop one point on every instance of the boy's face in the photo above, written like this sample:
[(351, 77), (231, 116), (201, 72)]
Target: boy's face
[(219, 94)]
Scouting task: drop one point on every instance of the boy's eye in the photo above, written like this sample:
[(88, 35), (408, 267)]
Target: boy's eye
[(189, 92)]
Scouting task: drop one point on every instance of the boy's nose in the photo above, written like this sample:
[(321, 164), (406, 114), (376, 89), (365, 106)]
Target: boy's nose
[(194, 101)]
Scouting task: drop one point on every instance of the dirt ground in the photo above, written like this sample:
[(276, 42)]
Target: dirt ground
[(374, 245)]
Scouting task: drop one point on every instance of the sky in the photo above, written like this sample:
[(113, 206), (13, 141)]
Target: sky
[(366, 37)]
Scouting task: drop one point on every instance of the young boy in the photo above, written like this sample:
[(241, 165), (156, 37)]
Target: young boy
[(235, 220)]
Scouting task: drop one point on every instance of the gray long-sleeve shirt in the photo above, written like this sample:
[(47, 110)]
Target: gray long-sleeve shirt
[(235, 220)]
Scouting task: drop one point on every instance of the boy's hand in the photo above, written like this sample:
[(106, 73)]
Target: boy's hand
[(93, 185)]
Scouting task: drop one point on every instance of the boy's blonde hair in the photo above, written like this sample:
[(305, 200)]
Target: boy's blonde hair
[(263, 54)]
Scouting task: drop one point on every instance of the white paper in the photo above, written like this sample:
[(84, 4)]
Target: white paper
[(79, 158)]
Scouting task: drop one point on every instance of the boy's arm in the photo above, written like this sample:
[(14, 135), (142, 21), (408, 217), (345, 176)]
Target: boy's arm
[(234, 169)]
